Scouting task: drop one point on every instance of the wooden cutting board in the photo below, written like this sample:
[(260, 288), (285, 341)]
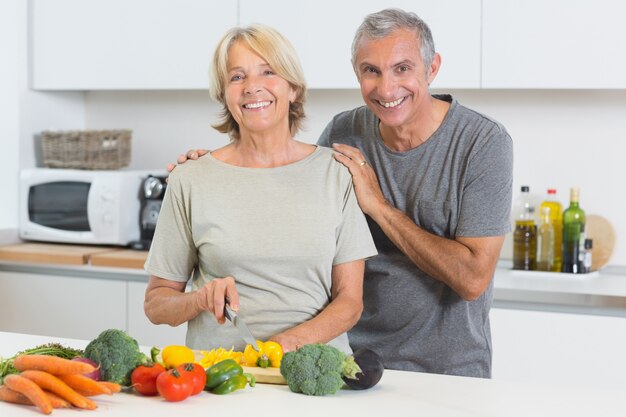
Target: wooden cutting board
[(601, 231), (261, 375), (124, 258), (51, 253)]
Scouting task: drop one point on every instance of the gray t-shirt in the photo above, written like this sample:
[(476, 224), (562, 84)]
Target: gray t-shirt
[(277, 231), (458, 183)]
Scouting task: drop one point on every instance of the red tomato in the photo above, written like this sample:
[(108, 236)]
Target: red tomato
[(143, 378), (172, 386), (196, 373)]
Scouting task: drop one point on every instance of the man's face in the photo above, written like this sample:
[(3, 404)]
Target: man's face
[(394, 81)]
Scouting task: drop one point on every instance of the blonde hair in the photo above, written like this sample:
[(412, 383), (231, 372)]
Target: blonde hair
[(280, 55)]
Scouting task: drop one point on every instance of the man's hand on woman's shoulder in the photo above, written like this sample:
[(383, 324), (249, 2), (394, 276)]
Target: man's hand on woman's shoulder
[(190, 154)]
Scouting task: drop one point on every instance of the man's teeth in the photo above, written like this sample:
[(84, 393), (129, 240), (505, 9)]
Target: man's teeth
[(257, 105), (392, 103)]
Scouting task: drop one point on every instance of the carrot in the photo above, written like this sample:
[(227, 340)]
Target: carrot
[(10, 396), (52, 383), (30, 390), (112, 386), (51, 364), (56, 401), (84, 385)]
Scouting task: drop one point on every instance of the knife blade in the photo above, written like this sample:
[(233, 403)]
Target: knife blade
[(241, 327)]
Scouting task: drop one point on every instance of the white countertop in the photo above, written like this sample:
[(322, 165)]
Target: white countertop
[(599, 292), (414, 393)]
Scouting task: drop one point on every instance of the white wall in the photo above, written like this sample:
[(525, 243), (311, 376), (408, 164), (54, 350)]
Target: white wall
[(562, 138), (9, 116)]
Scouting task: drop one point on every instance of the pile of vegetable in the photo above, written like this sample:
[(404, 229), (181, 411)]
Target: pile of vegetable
[(319, 369), (177, 376), (52, 349), (50, 382), (117, 354)]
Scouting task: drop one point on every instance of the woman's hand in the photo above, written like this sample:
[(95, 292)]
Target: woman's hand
[(214, 294), (288, 342), (182, 158)]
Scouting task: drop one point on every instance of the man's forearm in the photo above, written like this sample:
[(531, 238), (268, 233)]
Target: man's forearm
[(464, 269)]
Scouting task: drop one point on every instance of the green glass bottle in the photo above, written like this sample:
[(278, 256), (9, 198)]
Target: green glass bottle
[(573, 235)]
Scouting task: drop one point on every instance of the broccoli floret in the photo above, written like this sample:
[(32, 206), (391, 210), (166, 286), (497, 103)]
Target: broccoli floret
[(317, 369), (117, 353)]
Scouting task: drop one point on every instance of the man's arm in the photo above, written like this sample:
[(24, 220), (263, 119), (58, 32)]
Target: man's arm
[(465, 264)]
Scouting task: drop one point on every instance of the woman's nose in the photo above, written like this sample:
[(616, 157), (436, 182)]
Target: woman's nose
[(252, 86)]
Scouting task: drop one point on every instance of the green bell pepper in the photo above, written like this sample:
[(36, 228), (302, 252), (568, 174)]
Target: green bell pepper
[(233, 384), (222, 372)]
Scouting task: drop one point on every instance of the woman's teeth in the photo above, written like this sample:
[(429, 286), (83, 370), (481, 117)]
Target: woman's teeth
[(256, 105)]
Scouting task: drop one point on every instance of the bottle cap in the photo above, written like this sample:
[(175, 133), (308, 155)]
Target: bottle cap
[(551, 190), (574, 194), (525, 188)]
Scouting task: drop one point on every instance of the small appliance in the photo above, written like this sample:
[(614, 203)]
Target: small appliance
[(151, 194), (80, 206)]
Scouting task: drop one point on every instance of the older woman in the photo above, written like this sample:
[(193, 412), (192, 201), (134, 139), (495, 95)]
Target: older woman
[(268, 223)]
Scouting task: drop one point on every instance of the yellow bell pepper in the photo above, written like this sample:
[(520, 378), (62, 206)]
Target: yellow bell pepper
[(213, 356), (175, 355), (270, 353)]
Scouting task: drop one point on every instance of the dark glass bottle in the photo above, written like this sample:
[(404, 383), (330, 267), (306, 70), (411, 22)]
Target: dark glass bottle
[(573, 235)]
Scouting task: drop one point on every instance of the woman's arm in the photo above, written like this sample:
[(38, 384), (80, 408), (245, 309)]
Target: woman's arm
[(340, 314), (166, 301)]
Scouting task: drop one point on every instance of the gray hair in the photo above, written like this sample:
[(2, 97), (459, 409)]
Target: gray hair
[(381, 24)]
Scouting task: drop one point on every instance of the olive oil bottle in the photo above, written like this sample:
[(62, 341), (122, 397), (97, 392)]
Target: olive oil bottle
[(556, 218), (525, 233), (573, 235)]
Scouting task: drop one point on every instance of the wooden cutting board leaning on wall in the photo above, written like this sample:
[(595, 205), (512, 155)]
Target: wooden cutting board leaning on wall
[(601, 231)]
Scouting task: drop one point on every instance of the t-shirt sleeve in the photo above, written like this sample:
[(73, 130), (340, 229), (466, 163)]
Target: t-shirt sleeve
[(324, 139), (354, 240), (486, 205), (173, 254)]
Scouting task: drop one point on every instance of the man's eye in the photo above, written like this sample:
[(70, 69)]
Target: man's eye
[(403, 68)]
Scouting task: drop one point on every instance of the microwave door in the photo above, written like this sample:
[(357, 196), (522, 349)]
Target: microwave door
[(60, 205)]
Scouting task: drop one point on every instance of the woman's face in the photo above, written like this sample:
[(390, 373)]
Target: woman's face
[(255, 95)]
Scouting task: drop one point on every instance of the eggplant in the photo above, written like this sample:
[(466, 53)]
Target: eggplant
[(371, 369)]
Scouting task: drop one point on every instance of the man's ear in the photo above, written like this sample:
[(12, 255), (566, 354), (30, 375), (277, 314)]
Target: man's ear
[(434, 68)]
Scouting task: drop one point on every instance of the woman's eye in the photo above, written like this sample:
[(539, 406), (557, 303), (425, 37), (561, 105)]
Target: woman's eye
[(268, 72), (236, 78)]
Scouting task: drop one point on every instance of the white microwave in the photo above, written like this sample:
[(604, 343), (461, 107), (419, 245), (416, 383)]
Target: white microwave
[(80, 206)]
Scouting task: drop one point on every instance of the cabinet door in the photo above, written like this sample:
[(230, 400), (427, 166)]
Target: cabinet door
[(70, 307), (554, 44), (322, 33), (146, 333), (558, 348), (121, 44)]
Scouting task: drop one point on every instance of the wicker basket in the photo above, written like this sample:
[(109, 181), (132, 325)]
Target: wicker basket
[(86, 149)]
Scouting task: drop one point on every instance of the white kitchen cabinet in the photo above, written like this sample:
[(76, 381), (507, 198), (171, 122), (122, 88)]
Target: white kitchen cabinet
[(322, 33), (50, 305), (146, 333), (575, 44), (560, 348), (120, 44)]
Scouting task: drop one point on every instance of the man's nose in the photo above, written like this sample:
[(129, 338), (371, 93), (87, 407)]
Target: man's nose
[(386, 85)]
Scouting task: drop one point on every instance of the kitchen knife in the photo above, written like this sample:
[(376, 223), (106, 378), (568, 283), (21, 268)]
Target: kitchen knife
[(243, 330)]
